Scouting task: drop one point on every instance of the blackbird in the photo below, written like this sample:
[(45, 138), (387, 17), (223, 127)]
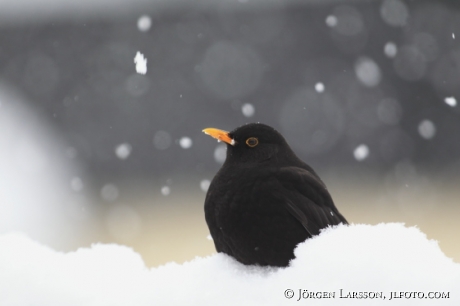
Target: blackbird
[(264, 200)]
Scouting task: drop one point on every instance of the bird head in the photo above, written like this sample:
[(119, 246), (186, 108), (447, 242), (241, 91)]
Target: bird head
[(253, 142)]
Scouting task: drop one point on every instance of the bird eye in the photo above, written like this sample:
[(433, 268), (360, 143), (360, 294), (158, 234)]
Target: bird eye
[(252, 142)]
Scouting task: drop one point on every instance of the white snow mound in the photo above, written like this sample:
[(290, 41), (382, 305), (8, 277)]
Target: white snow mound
[(356, 260)]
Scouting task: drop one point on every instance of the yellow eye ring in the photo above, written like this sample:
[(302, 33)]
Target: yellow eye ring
[(252, 142)]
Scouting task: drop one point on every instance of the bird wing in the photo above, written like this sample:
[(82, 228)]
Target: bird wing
[(307, 199)]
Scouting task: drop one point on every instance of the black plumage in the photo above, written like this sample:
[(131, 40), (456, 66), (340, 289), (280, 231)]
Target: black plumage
[(264, 200)]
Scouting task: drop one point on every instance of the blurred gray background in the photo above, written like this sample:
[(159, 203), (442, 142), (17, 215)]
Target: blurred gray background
[(91, 151)]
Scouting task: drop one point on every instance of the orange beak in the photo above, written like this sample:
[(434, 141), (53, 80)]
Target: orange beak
[(220, 135)]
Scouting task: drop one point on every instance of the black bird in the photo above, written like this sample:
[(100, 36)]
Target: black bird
[(264, 200)]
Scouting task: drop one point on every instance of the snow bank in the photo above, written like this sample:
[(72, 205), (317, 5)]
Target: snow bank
[(373, 261)]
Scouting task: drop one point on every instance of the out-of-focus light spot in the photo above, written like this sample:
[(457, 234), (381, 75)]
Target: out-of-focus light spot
[(361, 152), (161, 140), (109, 192), (230, 71), (137, 85), (76, 184), (123, 222), (331, 21), (141, 63), (362, 105), (394, 13), (390, 49), (185, 142), (204, 185), (143, 23), (311, 121), (349, 21), (165, 190), (451, 101), (71, 152), (404, 171), (427, 129), (319, 87), (220, 153), (368, 72), (396, 145), (453, 35), (389, 111), (427, 45), (123, 150), (248, 110), (410, 64)]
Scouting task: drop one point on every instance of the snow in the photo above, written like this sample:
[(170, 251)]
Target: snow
[(427, 129), (383, 258), (248, 110), (390, 49), (451, 101), (185, 142), (319, 87), (220, 153), (361, 152), (143, 23), (368, 72), (123, 150), (141, 63), (331, 21), (204, 185), (165, 190)]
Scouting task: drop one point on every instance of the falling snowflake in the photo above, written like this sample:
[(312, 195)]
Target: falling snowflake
[(361, 152), (427, 129), (331, 21), (319, 87), (123, 150), (204, 185), (165, 190), (185, 142), (390, 49), (248, 110), (141, 63), (143, 23), (220, 153), (451, 101)]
